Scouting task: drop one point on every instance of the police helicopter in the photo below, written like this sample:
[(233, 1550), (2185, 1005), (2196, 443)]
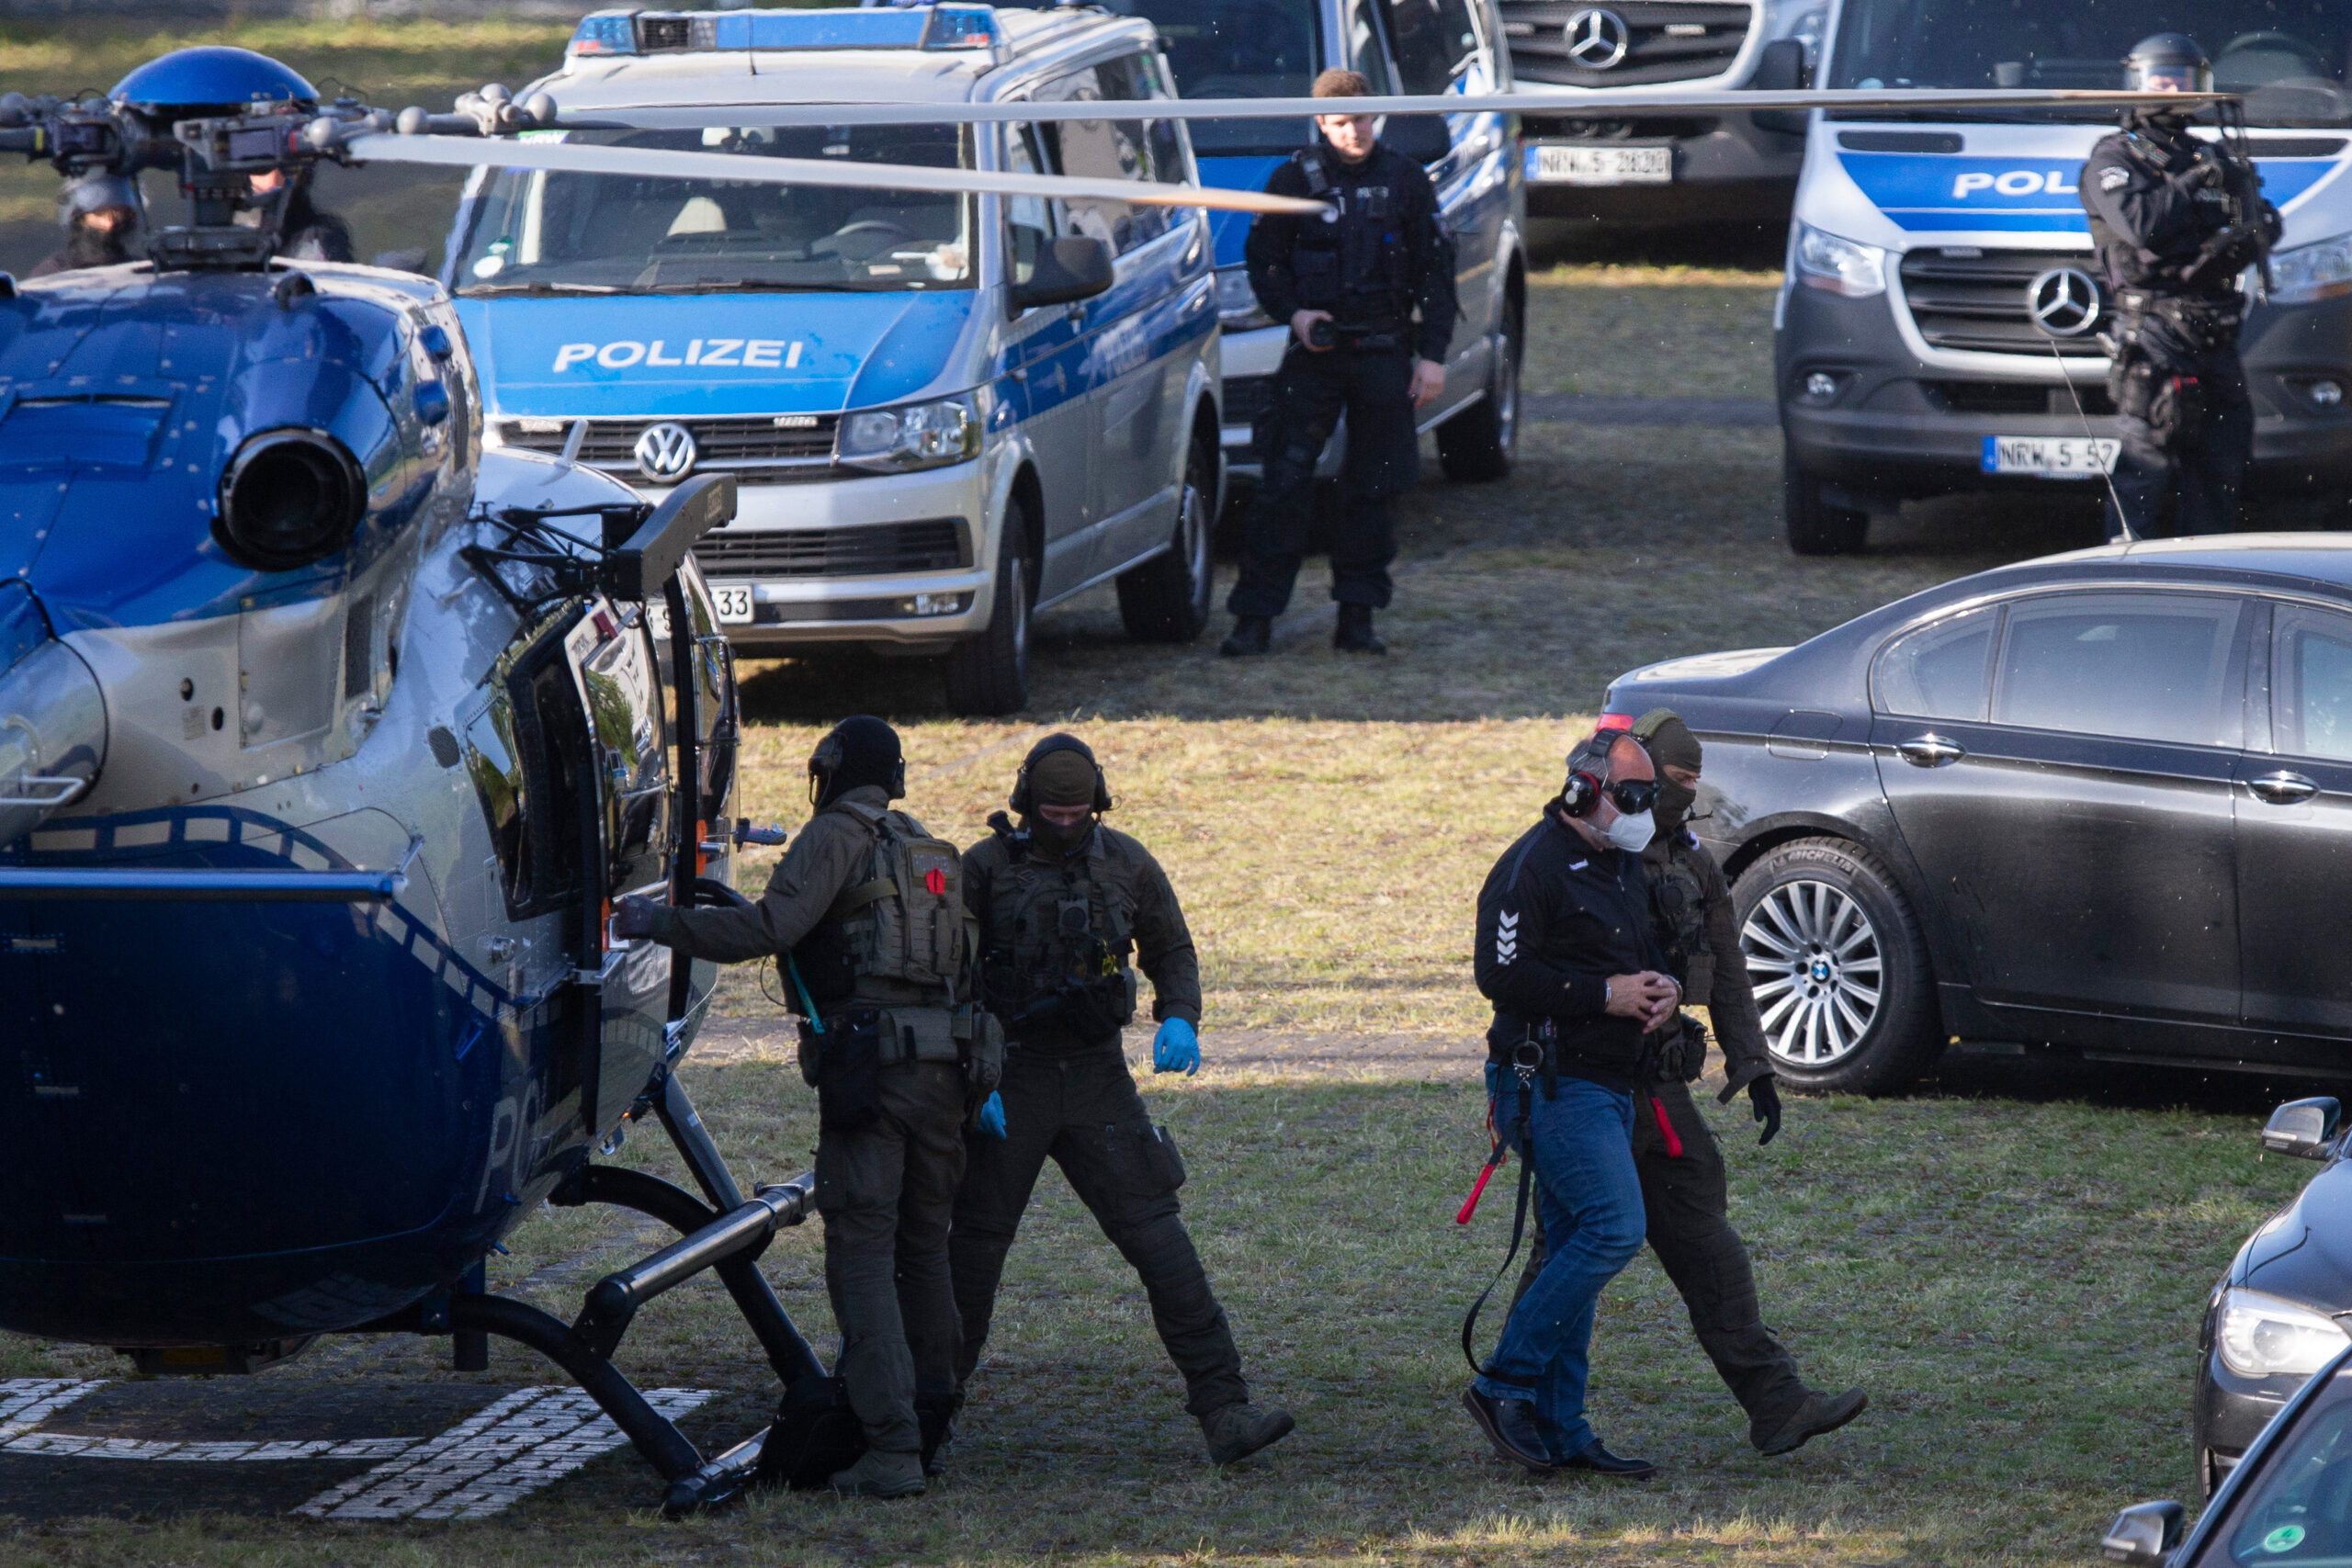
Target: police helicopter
[(327, 740)]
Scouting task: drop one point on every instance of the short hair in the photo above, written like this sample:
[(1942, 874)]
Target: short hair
[(1340, 82)]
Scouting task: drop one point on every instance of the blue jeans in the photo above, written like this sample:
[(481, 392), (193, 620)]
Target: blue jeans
[(1592, 1221)]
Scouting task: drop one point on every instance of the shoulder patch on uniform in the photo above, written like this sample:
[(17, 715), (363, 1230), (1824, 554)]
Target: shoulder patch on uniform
[(2114, 177)]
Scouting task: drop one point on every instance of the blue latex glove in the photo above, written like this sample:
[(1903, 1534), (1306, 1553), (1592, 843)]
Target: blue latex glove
[(1176, 1048), (991, 1118)]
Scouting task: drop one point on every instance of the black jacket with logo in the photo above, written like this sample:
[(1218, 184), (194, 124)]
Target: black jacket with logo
[(1555, 918), (1387, 256)]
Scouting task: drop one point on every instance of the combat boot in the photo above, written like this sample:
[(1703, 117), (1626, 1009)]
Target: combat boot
[(1251, 634), (1355, 633), (881, 1474), (1820, 1413), (1240, 1430)]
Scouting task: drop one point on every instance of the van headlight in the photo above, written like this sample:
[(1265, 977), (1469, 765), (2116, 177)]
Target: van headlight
[(2311, 272), (1840, 266), (1237, 303), (916, 435), (2263, 1336)]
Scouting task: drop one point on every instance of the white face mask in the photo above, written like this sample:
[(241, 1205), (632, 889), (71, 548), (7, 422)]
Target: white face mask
[(1632, 834)]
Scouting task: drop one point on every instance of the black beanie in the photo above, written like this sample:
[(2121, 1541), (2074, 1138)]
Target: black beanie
[(858, 751)]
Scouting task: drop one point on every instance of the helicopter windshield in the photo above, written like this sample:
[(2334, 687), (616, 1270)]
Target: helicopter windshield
[(536, 231), (1239, 48), (2289, 57)]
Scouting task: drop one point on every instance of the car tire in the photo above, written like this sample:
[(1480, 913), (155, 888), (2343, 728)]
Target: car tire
[(1816, 528), (988, 675), (1167, 598), (1478, 444), (1840, 971)]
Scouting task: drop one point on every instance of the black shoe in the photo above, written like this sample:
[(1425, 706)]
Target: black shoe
[(1240, 1430), (1820, 1413), (1600, 1462), (1510, 1424), (1354, 634), (1251, 634)]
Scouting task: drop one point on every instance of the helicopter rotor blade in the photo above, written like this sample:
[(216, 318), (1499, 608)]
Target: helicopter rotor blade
[(666, 163)]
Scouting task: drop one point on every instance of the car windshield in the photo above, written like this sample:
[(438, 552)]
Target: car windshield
[(2298, 1509), (2291, 58), (1239, 48), (536, 231)]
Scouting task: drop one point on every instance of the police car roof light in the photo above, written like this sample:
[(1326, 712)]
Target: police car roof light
[(605, 32), (924, 27)]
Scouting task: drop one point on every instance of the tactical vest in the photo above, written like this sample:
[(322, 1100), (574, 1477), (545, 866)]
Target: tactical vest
[(1679, 911), (898, 932), (1058, 945), (1357, 267)]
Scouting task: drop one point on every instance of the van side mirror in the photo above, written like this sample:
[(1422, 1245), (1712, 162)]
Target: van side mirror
[(1780, 68), (1423, 138), (2143, 1532), (1071, 267), (2303, 1128)]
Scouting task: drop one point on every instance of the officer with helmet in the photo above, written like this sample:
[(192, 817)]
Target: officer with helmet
[(1067, 908), (865, 909), (1368, 297), (2175, 219), (100, 214)]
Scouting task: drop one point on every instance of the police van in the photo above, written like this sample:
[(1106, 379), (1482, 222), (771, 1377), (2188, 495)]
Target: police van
[(940, 423), (1939, 328), (1249, 49)]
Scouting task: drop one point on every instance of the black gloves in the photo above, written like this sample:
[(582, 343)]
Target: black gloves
[(1767, 1101), (633, 917)]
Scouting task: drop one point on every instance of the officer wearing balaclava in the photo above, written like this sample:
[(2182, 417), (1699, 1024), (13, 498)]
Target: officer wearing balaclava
[(1685, 1206), (1067, 909), (2177, 219), (889, 1163), (100, 214)]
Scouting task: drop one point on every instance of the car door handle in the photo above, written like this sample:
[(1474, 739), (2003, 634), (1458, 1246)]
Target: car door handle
[(2283, 788), (1931, 751)]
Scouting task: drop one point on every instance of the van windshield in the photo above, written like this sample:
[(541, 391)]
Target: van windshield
[(536, 232), (2291, 58), (1239, 48)]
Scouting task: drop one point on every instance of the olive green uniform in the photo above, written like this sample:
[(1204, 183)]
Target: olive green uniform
[(887, 1188), (1049, 924)]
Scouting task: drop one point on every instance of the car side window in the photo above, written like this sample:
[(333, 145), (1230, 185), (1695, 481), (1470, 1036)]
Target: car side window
[(1106, 150), (2311, 683), (1434, 40), (1941, 670), (1028, 220), (2144, 666)]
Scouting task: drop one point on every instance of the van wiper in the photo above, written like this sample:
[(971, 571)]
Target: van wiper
[(737, 285), (485, 290)]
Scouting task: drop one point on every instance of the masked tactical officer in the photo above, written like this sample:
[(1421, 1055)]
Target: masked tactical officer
[(1349, 289), (1685, 1207), (1064, 905), (99, 213), (2176, 219), (879, 1017)]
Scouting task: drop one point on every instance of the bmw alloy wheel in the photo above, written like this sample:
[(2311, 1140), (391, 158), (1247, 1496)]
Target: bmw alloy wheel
[(1814, 958)]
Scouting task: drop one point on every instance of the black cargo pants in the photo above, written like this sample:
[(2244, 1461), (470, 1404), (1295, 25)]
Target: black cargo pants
[(2191, 482), (1310, 392), (1686, 1211), (887, 1192), (1082, 1111)]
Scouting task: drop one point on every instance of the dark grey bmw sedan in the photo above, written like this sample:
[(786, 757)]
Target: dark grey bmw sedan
[(2100, 801)]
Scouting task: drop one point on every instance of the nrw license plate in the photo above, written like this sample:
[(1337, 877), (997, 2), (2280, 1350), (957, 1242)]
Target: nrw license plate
[(734, 603), (2051, 456), (1552, 163)]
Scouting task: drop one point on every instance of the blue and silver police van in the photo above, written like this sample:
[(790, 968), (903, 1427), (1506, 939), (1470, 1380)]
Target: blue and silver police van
[(933, 439), (1255, 49), (1940, 326)]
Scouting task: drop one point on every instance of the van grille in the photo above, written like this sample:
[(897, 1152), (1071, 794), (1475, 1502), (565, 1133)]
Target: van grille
[(756, 449), (936, 543), (1959, 301), (1666, 40)]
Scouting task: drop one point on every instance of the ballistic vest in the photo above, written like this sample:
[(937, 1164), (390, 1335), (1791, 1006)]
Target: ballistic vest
[(901, 931)]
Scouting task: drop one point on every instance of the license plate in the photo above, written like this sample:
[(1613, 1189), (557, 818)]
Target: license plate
[(1554, 164), (734, 603), (2051, 456)]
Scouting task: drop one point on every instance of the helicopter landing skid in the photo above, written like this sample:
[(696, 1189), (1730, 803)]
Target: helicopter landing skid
[(725, 1237)]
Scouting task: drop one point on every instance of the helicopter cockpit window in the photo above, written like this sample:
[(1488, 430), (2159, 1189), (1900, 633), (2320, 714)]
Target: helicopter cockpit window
[(495, 762), (538, 232)]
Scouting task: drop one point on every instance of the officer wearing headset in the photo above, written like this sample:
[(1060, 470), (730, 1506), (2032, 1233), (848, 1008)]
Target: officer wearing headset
[(1566, 952), (1064, 905)]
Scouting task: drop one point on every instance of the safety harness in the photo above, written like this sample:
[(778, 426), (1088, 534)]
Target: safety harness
[(1537, 1053)]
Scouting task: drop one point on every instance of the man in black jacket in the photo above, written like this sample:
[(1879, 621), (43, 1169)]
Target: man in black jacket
[(2175, 219), (1351, 289), (1566, 952)]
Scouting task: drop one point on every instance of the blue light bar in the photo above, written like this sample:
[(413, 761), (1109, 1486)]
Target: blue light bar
[(605, 32)]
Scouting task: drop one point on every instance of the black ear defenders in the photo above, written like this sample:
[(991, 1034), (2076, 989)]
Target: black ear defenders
[(1581, 793), (1024, 801)]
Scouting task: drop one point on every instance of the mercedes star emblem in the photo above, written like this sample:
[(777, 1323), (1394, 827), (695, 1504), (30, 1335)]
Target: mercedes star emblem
[(2063, 301), (666, 452), (1597, 40)]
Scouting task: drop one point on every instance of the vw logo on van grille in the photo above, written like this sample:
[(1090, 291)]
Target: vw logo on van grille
[(2063, 301), (665, 452), (1597, 40)]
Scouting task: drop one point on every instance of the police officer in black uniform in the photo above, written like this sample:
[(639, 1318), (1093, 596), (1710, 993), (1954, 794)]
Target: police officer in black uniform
[(1350, 287), (2175, 219)]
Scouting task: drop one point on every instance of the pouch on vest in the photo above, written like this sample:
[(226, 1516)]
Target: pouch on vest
[(904, 921), (815, 1437), (979, 1041), (849, 1071)]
